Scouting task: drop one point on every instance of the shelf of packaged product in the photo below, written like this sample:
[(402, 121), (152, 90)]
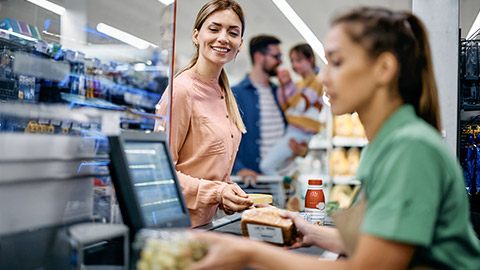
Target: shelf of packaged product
[(107, 121), (345, 180), (470, 107), (349, 142), (319, 144)]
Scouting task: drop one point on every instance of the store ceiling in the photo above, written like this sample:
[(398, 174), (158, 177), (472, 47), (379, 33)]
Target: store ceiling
[(262, 16), (142, 18)]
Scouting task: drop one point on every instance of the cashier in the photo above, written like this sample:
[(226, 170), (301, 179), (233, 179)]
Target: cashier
[(206, 126), (413, 211)]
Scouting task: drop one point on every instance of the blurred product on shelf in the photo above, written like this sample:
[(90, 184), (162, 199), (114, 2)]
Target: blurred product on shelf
[(294, 204), (343, 125), (343, 194), (353, 157), (339, 164), (348, 125)]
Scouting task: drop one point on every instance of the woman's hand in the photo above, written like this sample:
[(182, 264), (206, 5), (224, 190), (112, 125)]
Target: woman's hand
[(234, 199), (224, 251)]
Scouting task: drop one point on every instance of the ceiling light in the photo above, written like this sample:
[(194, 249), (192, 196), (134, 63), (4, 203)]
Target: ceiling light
[(139, 67), (475, 27), (302, 28), (49, 5), (124, 36), (166, 2)]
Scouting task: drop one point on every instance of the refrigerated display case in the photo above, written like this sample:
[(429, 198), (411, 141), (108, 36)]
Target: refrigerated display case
[(469, 123), (72, 72)]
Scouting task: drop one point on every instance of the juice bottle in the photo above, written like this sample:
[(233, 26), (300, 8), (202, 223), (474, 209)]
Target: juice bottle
[(315, 201)]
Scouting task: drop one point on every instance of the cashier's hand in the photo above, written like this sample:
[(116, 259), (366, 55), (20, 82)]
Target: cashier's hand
[(306, 230), (234, 199), (224, 251)]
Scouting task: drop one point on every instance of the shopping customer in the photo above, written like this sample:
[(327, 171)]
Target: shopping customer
[(261, 113), (416, 211), (301, 104), (206, 126)]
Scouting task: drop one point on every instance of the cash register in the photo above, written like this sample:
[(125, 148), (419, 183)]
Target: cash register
[(146, 184)]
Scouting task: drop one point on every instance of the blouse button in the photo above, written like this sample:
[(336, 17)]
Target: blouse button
[(231, 135), (221, 97), (227, 115)]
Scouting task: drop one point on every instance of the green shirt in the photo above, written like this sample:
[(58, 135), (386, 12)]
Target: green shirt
[(415, 193)]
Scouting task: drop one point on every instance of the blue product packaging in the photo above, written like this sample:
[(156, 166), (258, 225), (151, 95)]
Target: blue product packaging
[(470, 164), (477, 167), (10, 25)]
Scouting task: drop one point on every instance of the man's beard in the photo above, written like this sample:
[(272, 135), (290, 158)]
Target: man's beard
[(271, 72)]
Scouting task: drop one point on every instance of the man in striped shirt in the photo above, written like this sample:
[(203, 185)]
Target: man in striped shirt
[(259, 108)]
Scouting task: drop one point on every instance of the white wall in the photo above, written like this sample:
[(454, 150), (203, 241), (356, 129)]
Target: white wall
[(441, 18)]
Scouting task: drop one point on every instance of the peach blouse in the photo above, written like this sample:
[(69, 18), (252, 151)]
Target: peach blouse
[(204, 142)]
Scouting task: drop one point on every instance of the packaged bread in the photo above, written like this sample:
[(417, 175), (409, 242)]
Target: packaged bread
[(267, 225)]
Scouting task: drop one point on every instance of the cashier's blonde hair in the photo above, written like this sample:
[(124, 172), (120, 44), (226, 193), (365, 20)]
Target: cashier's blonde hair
[(207, 10), (380, 30)]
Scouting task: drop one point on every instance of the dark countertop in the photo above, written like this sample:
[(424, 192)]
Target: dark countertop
[(235, 228)]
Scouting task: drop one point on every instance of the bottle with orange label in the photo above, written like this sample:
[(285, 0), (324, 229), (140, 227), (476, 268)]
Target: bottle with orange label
[(315, 201)]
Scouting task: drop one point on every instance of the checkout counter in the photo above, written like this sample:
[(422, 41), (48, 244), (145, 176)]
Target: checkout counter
[(49, 207)]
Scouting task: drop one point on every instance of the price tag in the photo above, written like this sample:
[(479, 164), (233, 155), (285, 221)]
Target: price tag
[(96, 63), (55, 122), (71, 55), (104, 68), (80, 57), (4, 34), (43, 121), (66, 124), (41, 46), (76, 126)]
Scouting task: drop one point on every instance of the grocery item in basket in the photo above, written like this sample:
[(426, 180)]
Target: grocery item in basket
[(294, 204), (267, 225), (168, 250)]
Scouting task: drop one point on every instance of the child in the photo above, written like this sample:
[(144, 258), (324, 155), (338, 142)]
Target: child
[(301, 104)]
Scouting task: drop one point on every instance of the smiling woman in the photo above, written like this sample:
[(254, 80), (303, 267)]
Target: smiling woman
[(206, 125)]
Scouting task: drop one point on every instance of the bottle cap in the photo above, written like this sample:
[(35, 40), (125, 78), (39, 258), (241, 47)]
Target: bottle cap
[(315, 182)]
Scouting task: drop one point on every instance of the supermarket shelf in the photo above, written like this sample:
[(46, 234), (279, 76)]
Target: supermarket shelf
[(345, 180), (318, 145), (261, 178), (349, 142), (470, 107)]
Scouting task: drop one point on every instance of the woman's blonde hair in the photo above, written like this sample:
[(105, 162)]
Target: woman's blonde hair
[(207, 10), (380, 30)]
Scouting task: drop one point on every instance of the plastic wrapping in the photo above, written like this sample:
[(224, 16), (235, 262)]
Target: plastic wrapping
[(167, 249)]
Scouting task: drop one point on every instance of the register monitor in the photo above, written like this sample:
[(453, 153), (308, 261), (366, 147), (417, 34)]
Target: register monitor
[(146, 183)]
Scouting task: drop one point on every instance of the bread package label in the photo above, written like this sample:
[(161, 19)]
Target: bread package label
[(267, 225), (265, 233)]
